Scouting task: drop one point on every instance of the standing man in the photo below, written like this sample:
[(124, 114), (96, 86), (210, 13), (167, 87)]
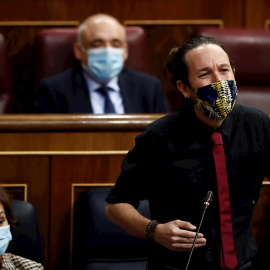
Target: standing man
[(180, 157), (100, 84)]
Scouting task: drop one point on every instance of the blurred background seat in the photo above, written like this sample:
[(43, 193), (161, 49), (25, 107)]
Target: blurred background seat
[(100, 244), (54, 51), (5, 79), (250, 54), (25, 235)]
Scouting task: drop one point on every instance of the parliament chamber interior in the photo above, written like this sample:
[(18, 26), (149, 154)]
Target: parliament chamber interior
[(53, 160)]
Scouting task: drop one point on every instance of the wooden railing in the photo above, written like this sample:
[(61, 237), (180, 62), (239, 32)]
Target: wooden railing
[(56, 157)]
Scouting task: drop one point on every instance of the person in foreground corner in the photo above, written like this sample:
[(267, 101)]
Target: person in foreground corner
[(10, 261), (100, 84), (212, 144)]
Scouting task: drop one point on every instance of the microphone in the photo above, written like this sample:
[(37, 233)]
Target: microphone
[(207, 201)]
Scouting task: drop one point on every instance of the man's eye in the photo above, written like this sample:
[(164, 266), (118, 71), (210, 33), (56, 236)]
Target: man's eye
[(203, 75), (96, 44), (225, 70), (117, 44)]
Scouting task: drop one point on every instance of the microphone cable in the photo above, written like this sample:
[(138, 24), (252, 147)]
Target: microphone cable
[(207, 201)]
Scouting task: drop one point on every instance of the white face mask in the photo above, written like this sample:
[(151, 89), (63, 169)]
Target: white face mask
[(104, 63), (5, 238)]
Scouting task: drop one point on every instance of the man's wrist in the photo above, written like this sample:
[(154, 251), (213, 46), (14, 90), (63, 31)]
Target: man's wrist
[(151, 228)]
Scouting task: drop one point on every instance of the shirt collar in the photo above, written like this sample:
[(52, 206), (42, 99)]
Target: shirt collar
[(227, 125), (93, 85), (202, 129)]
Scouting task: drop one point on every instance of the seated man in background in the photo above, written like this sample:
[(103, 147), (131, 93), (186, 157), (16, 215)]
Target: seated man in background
[(100, 84)]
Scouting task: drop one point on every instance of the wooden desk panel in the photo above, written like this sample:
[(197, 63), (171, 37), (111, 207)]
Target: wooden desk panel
[(34, 172), (67, 141), (65, 172), (71, 132), (51, 152)]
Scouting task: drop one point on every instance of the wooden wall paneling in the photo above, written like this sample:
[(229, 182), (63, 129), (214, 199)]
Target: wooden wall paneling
[(230, 11), (267, 24), (150, 9), (49, 9), (162, 36), (233, 13), (16, 191), (65, 172), (35, 173), (256, 13), (20, 37)]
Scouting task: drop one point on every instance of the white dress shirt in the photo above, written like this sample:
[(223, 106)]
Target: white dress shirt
[(97, 99)]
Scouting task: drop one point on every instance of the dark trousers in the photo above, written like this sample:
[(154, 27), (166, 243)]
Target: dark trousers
[(246, 266)]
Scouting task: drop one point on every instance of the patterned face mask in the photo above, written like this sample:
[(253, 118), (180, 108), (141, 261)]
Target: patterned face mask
[(217, 99)]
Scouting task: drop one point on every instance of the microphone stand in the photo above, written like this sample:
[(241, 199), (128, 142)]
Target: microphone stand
[(207, 201)]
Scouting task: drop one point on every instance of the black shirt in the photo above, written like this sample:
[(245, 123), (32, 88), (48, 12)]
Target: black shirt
[(172, 166)]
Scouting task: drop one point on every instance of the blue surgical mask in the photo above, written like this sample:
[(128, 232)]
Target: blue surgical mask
[(5, 238), (104, 63)]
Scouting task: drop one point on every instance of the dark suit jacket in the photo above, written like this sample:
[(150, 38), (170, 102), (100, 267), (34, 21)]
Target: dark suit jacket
[(67, 92)]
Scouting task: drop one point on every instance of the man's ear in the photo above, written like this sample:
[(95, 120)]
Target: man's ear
[(77, 51), (126, 51), (183, 88)]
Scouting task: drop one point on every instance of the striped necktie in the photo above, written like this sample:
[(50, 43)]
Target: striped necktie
[(108, 106)]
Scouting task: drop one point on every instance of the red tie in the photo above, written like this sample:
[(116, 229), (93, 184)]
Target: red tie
[(227, 251)]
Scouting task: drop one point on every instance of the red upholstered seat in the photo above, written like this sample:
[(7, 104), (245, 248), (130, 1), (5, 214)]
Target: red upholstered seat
[(54, 51), (5, 78), (250, 54)]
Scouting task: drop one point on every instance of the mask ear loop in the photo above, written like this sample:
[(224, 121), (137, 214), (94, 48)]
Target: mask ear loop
[(83, 49)]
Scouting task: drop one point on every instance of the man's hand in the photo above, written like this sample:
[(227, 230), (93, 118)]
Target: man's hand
[(177, 235)]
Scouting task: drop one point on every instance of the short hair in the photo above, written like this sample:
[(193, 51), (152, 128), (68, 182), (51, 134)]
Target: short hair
[(83, 25), (176, 63), (6, 203), (80, 32)]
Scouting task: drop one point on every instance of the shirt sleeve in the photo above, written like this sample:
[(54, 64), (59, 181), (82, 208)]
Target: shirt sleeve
[(138, 171), (267, 136)]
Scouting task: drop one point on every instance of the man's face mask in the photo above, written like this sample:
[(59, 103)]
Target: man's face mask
[(104, 63), (217, 99), (5, 238)]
